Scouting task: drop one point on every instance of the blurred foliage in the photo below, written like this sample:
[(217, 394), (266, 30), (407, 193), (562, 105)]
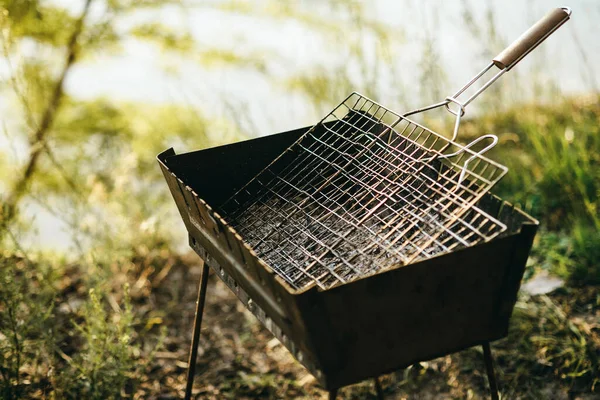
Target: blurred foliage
[(553, 148), (32, 20), (553, 343), (27, 326), (572, 254), (85, 138), (166, 37), (107, 360)]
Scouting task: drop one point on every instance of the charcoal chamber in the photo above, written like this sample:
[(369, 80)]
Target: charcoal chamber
[(374, 324)]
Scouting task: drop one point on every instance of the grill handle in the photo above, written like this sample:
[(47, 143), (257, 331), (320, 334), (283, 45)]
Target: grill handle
[(530, 39), (463, 173), (507, 59)]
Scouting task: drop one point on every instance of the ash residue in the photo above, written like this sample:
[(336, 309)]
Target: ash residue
[(345, 203), (304, 245)]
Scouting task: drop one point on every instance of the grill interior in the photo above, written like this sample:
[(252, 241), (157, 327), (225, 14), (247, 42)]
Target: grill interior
[(327, 330), (366, 191)]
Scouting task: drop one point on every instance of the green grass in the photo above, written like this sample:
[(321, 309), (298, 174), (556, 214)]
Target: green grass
[(60, 337), (553, 155), (553, 338), (552, 152)]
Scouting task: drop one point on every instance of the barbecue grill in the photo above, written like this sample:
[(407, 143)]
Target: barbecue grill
[(366, 242)]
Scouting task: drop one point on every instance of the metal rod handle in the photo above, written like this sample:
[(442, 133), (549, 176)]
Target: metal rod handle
[(510, 56), (507, 59), (463, 173)]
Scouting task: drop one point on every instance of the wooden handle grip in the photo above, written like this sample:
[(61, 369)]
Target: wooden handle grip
[(529, 40)]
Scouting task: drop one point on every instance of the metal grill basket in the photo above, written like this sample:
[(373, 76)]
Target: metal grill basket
[(370, 191)]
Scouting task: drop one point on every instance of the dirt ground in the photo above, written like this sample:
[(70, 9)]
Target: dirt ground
[(240, 359)]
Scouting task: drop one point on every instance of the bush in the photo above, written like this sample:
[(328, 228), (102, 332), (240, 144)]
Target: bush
[(553, 155), (56, 340), (106, 361), (547, 341), (27, 324)]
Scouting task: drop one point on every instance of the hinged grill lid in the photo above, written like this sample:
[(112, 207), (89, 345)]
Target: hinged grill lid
[(364, 190)]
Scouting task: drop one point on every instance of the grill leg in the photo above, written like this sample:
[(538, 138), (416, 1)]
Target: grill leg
[(378, 389), (489, 366), (333, 394), (196, 335)]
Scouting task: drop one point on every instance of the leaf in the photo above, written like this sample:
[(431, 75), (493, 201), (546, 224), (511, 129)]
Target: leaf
[(80, 119), (99, 36), (164, 36), (215, 57), (45, 24)]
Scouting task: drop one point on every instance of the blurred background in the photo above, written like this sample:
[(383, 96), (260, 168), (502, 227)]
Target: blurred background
[(97, 285)]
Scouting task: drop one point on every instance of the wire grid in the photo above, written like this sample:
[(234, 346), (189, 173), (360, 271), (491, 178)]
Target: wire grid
[(363, 190)]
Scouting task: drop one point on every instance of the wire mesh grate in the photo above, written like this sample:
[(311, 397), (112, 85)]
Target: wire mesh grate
[(364, 190)]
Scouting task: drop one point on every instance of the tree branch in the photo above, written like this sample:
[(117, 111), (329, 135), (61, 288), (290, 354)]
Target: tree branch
[(8, 211)]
